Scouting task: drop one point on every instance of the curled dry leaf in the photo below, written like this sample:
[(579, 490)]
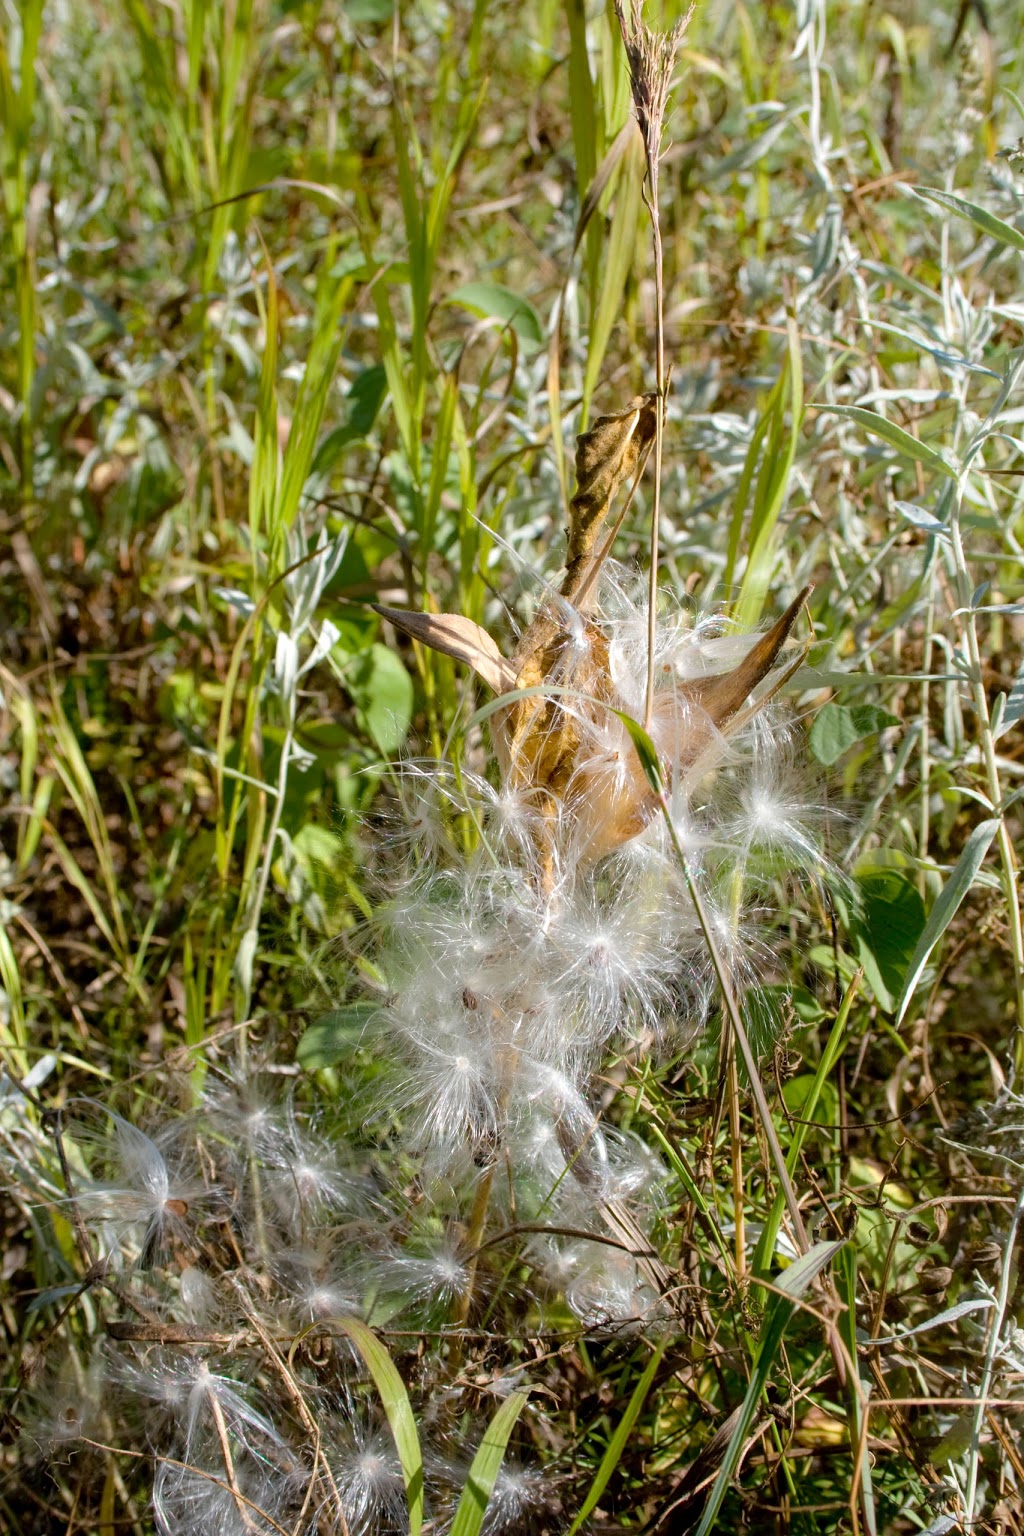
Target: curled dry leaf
[(454, 635), (606, 456)]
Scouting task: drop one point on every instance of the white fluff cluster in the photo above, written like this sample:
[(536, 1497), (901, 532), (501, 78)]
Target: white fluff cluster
[(504, 973), (225, 1249), (539, 913)]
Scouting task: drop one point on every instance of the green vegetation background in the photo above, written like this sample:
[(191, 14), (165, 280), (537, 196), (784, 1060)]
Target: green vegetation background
[(278, 283)]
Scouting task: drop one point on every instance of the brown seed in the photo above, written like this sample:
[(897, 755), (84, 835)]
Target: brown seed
[(933, 1279), (981, 1254)]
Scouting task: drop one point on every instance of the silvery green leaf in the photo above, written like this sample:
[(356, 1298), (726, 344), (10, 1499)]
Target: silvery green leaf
[(299, 758), (326, 640), (950, 1315), (286, 668), (952, 360), (825, 245), (39, 1071), (245, 956), (749, 154), (922, 518), (1013, 709), (237, 441), (313, 576), (947, 903), (987, 223), (235, 598), (886, 431)]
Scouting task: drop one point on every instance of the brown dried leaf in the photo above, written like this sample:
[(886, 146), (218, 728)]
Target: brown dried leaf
[(456, 636), (606, 456)]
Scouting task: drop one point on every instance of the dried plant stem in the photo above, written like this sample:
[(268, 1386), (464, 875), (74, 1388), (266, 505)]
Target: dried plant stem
[(846, 1370), (651, 57), (229, 1466), (651, 199), (995, 1329), (478, 1222), (736, 1140), (321, 1468), (474, 1241)]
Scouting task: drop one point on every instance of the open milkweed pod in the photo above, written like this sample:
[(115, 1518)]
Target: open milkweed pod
[(539, 739), (610, 793), (536, 739), (568, 748)]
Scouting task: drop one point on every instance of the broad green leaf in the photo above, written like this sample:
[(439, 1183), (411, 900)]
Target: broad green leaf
[(794, 1282), (887, 930), (382, 691), (398, 1412), (483, 1474), (364, 400), (493, 301), (334, 1035), (946, 905), (888, 432), (837, 726), (987, 223)]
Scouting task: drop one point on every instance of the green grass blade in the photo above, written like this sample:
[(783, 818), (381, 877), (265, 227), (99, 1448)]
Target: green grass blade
[(397, 1411), (13, 1029), (773, 483), (584, 114), (946, 904), (888, 432), (622, 238), (794, 1283), (264, 473), (483, 1474), (846, 1284), (762, 1259), (617, 1443), (987, 223), (317, 378)]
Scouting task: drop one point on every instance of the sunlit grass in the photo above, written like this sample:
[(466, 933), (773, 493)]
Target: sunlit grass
[(280, 286)]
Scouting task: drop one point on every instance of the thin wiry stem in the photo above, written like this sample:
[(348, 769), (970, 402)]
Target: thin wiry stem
[(659, 434), (651, 59), (732, 1009), (990, 1354)]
